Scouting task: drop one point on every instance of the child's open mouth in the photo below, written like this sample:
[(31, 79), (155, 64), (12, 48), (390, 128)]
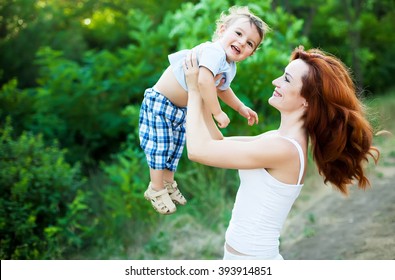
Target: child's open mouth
[(236, 49)]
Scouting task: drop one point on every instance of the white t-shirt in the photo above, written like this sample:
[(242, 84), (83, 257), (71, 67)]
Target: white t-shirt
[(210, 55)]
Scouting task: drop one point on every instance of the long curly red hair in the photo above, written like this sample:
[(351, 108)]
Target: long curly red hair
[(340, 135)]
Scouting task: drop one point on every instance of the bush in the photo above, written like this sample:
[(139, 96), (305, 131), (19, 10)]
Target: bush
[(123, 210), (17, 104), (42, 205)]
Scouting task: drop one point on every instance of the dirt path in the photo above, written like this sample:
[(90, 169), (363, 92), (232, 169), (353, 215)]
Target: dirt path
[(361, 226)]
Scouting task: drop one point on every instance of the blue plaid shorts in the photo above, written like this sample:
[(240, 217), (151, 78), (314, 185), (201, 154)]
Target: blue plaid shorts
[(161, 130)]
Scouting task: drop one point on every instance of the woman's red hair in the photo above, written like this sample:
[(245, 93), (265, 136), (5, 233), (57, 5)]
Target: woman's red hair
[(341, 137)]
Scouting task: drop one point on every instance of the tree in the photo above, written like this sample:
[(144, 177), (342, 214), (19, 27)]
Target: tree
[(358, 31)]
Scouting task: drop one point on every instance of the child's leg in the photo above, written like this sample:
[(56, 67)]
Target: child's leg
[(172, 188), (168, 176), (157, 177), (154, 132), (158, 194)]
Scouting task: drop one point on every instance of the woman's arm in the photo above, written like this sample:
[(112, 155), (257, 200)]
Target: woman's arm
[(261, 152), (243, 138)]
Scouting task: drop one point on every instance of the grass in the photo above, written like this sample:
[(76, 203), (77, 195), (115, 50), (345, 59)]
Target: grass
[(384, 106)]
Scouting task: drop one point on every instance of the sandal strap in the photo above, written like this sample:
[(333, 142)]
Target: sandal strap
[(160, 200), (175, 193), (157, 194), (172, 187)]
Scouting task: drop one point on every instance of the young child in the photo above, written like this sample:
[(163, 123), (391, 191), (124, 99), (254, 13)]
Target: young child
[(163, 110)]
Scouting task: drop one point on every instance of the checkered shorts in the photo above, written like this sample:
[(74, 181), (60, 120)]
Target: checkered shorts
[(161, 131)]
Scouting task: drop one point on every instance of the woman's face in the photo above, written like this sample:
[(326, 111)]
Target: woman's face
[(286, 96)]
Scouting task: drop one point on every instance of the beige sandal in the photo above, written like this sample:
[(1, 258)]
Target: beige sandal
[(175, 193), (160, 200)]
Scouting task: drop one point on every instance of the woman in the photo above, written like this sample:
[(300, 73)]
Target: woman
[(317, 101)]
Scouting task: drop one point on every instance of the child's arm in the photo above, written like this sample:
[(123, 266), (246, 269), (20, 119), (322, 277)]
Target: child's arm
[(208, 92), (230, 98)]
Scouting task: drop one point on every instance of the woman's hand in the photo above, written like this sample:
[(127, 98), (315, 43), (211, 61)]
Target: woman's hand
[(191, 71)]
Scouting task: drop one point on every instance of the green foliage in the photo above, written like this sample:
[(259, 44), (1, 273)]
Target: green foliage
[(124, 212), (198, 21), (17, 104), (124, 193), (36, 24), (72, 27), (359, 32), (105, 29), (81, 104), (380, 62), (119, 195), (43, 211)]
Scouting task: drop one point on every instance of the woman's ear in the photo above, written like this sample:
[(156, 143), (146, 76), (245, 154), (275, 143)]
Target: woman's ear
[(305, 104)]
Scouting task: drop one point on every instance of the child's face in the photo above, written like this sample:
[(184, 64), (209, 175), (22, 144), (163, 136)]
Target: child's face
[(239, 40)]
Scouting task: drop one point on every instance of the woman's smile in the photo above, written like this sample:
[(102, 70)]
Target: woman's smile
[(277, 94)]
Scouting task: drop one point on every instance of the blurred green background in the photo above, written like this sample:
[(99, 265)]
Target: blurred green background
[(72, 76)]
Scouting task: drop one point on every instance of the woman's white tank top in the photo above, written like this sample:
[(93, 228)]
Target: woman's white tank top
[(262, 204)]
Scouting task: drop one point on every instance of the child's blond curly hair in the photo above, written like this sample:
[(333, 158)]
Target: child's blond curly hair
[(236, 12)]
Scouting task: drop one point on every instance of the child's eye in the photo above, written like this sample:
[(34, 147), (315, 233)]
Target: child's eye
[(250, 44), (286, 79), (238, 33)]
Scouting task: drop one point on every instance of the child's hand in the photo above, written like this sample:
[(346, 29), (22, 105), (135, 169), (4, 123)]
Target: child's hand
[(222, 119), (249, 114)]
